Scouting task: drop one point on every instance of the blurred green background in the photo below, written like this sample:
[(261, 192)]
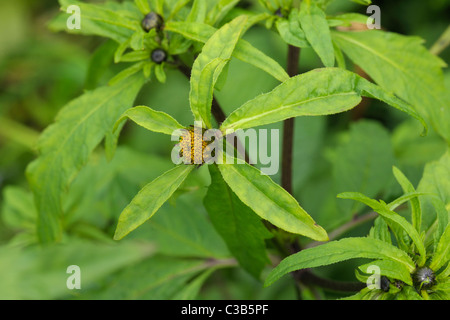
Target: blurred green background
[(40, 71)]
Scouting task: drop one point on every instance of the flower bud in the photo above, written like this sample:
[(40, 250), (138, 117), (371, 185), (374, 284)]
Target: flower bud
[(152, 20), (158, 56)]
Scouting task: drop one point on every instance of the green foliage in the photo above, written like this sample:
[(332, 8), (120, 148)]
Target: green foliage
[(402, 65), (79, 128), (104, 195), (343, 92), (396, 263), (241, 229)]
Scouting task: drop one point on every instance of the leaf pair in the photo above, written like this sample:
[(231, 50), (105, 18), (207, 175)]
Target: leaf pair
[(260, 193)]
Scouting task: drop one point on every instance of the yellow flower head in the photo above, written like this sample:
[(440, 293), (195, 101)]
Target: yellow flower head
[(196, 149)]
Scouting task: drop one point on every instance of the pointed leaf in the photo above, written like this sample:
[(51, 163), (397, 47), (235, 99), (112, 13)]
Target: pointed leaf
[(380, 230), (241, 229), (150, 119), (337, 251), (401, 64), (442, 254), (391, 269), (198, 11), (185, 235), (315, 26), (318, 92), (160, 73), (126, 73), (145, 204), (142, 6), (383, 210), (361, 162), (244, 51), (291, 31), (270, 201), (109, 20), (208, 66), (436, 180), (65, 147)]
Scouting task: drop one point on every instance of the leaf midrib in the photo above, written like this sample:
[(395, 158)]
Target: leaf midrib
[(282, 107), (395, 65), (270, 199), (88, 115)]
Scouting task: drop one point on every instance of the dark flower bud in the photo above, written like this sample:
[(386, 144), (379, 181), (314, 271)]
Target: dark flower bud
[(384, 284), (152, 20), (424, 278), (279, 13), (158, 56)]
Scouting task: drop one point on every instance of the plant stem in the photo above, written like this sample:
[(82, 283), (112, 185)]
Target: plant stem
[(288, 126), (442, 43), (304, 277), (346, 227)]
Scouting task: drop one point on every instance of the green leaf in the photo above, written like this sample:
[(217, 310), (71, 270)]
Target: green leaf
[(156, 278), (134, 56), (160, 73), (337, 251), (436, 179), (220, 10), (404, 198), (401, 64), (380, 230), (198, 12), (150, 119), (145, 204), (442, 254), (416, 212), (191, 290), (315, 26), (363, 2), (444, 274), (383, 210), (65, 146), (241, 229), (99, 63), (180, 4), (318, 92), (126, 73), (244, 51), (408, 293), (391, 269), (115, 23), (270, 201), (36, 272), (209, 64), (346, 19), (291, 31), (121, 50), (142, 6), (182, 228), (17, 209), (363, 163)]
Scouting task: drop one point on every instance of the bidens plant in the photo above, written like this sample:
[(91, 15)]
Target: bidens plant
[(249, 211), (407, 270)]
